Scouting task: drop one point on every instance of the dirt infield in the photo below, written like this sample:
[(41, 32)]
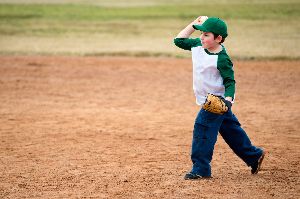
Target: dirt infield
[(113, 127)]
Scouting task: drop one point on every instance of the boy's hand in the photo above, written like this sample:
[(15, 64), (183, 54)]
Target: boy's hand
[(200, 20), (228, 102)]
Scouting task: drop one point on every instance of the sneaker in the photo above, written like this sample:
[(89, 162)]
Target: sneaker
[(256, 167), (193, 176)]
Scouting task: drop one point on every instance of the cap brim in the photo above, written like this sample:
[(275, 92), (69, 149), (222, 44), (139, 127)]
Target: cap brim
[(200, 27)]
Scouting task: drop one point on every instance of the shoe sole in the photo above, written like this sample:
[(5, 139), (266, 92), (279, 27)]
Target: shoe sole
[(199, 178), (260, 160)]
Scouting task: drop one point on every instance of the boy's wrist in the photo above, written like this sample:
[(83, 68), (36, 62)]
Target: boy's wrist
[(228, 99)]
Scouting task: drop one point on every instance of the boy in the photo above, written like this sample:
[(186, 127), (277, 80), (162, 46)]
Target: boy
[(213, 74)]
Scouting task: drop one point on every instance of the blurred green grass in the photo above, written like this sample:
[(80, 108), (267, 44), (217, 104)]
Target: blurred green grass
[(257, 30), (73, 12)]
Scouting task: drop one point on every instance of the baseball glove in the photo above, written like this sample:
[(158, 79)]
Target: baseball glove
[(216, 104)]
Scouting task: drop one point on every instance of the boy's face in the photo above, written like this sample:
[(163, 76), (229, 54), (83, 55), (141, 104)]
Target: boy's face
[(208, 41)]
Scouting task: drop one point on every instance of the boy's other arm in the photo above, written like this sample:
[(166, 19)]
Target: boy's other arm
[(225, 67)]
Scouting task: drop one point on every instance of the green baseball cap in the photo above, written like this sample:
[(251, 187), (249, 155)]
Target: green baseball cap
[(214, 25)]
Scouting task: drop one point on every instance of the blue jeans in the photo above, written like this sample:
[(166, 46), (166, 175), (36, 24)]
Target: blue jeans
[(206, 128)]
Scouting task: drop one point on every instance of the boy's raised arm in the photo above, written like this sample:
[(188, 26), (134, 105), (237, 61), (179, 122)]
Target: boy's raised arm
[(187, 31), (182, 40)]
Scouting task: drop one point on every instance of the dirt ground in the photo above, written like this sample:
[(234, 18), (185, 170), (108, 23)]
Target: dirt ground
[(116, 127)]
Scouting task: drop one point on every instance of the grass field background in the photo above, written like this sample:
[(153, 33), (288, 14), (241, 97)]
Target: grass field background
[(257, 29)]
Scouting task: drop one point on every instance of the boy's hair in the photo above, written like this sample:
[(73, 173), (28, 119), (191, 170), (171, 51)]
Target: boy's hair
[(216, 35)]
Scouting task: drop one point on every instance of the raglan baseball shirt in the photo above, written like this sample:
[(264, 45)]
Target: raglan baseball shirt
[(212, 72)]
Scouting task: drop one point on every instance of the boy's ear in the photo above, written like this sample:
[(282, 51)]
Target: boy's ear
[(218, 38)]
